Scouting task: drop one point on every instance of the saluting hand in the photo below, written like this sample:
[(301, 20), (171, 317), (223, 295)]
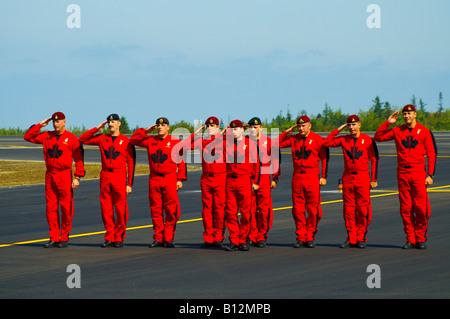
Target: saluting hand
[(225, 129), (199, 130), (393, 118), (150, 128), (101, 127), (291, 129), (45, 122), (340, 128)]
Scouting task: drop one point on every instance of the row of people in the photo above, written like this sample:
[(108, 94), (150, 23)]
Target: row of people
[(239, 172)]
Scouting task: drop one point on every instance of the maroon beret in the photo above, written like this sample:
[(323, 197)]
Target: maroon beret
[(352, 118), (236, 123), (408, 108), (212, 120), (303, 119), (58, 116)]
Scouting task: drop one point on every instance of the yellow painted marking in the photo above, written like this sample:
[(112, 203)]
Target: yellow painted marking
[(432, 189), (441, 156)]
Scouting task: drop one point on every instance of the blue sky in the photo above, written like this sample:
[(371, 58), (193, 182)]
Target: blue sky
[(191, 59)]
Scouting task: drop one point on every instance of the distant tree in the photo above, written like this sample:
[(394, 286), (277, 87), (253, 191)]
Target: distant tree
[(12, 131), (421, 105), (440, 107), (288, 115), (182, 124), (413, 100), (125, 127), (302, 113), (387, 110), (376, 107)]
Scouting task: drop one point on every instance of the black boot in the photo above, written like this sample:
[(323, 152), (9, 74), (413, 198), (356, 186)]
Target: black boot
[(51, 244)]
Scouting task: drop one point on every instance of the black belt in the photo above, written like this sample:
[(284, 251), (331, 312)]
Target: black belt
[(407, 166), (160, 175), (302, 172), (214, 174), (233, 176), (354, 173)]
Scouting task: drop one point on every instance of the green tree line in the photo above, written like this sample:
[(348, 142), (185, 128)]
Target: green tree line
[(325, 121), (371, 119)]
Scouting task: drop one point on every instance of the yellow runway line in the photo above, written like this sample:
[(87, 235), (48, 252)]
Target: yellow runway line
[(432, 189)]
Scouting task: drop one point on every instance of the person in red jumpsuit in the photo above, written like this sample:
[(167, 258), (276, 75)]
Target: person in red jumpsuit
[(360, 153), (308, 153), (118, 157), (413, 142), (213, 179), (167, 174), (242, 178), (61, 148), (269, 159)]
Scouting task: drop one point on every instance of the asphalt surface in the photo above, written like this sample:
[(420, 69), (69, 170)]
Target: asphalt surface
[(273, 275)]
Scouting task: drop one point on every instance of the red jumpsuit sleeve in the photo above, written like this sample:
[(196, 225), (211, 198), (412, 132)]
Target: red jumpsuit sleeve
[(431, 149), (188, 143), (275, 162), (182, 171), (374, 158), (383, 133), (33, 135), (284, 140), (140, 138), (197, 143), (214, 141), (78, 158), (254, 159), (181, 164), (90, 138), (332, 140), (324, 155), (131, 163), (256, 173)]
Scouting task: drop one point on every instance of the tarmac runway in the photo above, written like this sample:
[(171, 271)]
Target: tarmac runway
[(276, 275)]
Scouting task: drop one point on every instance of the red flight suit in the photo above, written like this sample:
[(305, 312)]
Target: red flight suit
[(356, 181), (212, 185), (262, 212), (163, 194), (412, 147), (118, 158), (59, 152), (307, 154), (242, 171)]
